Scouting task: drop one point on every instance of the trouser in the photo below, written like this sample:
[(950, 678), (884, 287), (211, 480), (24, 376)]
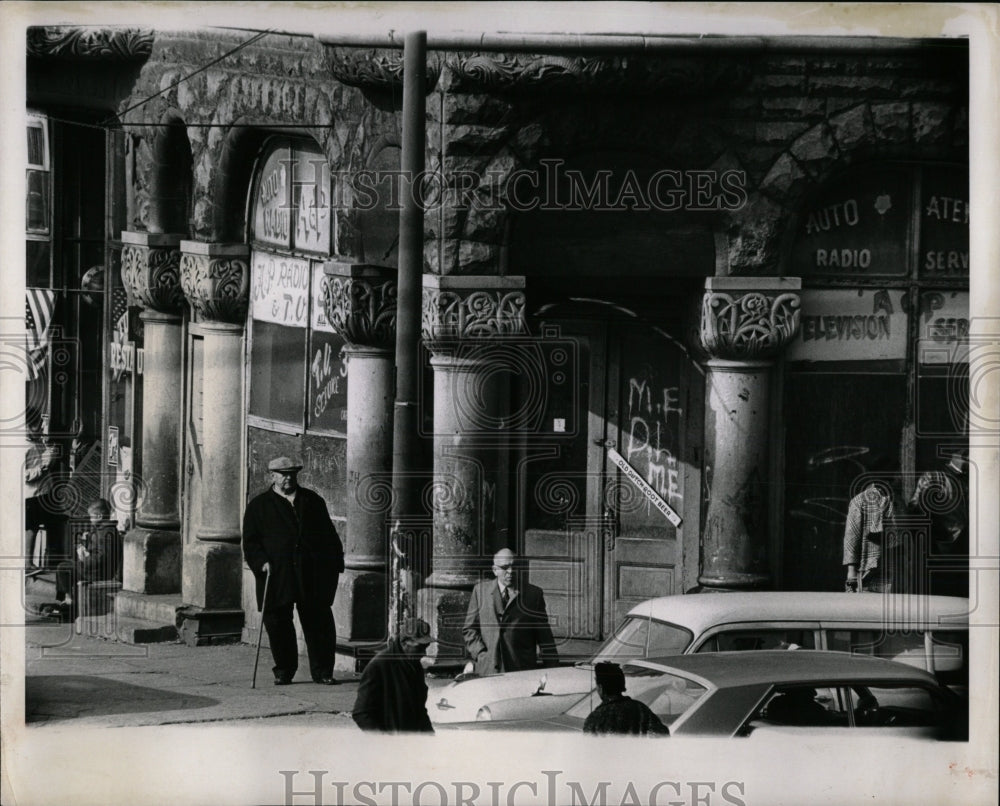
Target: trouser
[(67, 574), (320, 633)]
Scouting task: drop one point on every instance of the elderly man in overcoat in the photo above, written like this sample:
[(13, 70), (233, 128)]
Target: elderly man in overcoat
[(294, 551), (506, 626)]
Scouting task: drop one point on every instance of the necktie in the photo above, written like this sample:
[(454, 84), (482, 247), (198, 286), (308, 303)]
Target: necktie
[(505, 596)]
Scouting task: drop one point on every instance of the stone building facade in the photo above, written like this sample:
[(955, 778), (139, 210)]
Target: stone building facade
[(643, 275)]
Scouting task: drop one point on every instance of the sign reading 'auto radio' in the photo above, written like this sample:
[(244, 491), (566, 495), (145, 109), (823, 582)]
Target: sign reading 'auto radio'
[(888, 221)]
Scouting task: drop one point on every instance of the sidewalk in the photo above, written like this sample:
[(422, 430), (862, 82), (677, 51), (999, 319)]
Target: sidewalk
[(92, 681)]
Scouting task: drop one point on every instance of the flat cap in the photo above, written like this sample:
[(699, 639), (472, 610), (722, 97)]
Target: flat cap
[(282, 464)]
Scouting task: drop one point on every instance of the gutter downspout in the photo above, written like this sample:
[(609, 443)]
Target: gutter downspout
[(405, 445)]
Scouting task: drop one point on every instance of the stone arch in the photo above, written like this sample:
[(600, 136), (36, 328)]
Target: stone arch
[(170, 177), (220, 208), (756, 236)]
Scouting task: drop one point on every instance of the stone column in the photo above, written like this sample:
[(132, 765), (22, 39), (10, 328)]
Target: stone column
[(215, 279), (468, 323), (152, 550), (360, 304), (745, 322)]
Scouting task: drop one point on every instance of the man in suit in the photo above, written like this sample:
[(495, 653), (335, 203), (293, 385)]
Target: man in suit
[(288, 537), (504, 624)]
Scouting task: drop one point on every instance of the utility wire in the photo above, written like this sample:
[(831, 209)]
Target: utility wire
[(191, 75)]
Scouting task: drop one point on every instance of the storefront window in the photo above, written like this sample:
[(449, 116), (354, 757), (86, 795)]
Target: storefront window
[(297, 376), (877, 376)]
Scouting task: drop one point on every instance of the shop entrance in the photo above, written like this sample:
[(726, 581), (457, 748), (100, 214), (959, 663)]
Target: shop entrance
[(594, 486)]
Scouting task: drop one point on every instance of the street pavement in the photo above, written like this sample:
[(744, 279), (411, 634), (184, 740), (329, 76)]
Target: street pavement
[(73, 677)]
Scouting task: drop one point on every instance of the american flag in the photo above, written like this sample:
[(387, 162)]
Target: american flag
[(40, 304)]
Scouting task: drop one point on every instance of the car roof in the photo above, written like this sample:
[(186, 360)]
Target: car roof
[(727, 669), (699, 612)]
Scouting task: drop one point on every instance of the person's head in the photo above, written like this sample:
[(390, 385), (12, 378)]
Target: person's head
[(284, 474), (959, 460), (610, 680), (99, 510), (503, 566), (415, 636)]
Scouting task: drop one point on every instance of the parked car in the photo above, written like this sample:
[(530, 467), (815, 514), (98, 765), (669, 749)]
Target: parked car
[(927, 632), (760, 693)]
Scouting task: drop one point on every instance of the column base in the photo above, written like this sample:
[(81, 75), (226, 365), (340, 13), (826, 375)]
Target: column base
[(732, 582), (199, 626), (212, 576), (360, 607), (152, 561), (444, 609)]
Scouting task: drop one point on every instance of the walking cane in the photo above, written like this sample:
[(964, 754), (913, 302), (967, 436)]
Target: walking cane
[(260, 631)]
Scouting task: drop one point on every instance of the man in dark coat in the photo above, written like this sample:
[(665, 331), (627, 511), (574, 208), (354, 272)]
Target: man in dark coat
[(289, 537), (392, 695), (618, 713), (504, 625)]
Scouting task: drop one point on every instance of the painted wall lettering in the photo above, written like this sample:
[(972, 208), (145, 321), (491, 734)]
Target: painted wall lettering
[(279, 289), (326, 373), (650, 436), (949, 262), (832, 216), (946, 208), (843, 258), (845, 328)]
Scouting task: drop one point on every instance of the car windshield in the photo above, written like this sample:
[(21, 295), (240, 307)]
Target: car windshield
[(641, 637), (667, 695)]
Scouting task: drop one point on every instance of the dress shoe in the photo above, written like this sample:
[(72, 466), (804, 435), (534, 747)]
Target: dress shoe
[(282, 681), (326, 681)]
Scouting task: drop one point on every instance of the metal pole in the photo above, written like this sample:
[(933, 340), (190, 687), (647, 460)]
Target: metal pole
[(408, 312)]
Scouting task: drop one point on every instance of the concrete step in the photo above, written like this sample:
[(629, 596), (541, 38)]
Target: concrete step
[(159, 608), (126, 630)]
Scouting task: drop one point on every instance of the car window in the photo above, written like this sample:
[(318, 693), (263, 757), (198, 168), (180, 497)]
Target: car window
[(638, 637), (742, 640), (904, 647), (949, 657), (666, 639), (898, 706), (805, 706), (629, 641), (667, 695)]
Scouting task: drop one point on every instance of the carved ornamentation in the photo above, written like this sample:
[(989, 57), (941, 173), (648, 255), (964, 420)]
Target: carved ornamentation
[(380, 70), (80, 42), (362, 311), (750, 326), (449, 315), (152, 277), (516, 73), (218, 288)]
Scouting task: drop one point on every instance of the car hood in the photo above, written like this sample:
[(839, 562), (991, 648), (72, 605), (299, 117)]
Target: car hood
[(461, 700)]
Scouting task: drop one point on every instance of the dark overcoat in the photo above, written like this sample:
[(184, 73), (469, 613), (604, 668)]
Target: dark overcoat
[(301, 545), (502, 639), (392, 694)]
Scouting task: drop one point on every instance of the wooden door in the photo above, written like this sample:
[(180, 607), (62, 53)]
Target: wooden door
[(560, 481), (645, 423)]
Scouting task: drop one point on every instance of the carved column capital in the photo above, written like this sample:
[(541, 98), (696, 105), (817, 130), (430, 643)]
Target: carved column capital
[(456, 308), (375, 69), (151, 270), (749, 318), (215, 278), (360, 303)]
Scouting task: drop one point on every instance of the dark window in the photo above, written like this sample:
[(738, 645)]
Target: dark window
[(277, 372), (743, 640)]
